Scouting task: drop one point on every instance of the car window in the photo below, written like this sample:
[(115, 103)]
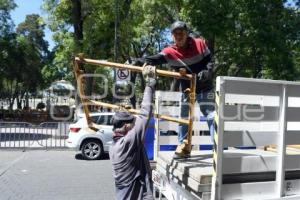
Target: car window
[(95, 119), (103, 120), (108, 120)]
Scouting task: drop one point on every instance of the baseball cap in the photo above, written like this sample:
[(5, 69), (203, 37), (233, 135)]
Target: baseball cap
[(120, 118), (123, 116)]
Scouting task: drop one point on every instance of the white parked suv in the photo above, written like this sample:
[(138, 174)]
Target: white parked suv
[(91, 144)]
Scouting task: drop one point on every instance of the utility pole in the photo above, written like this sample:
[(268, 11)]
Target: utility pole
[(116, 30), (116, 40)]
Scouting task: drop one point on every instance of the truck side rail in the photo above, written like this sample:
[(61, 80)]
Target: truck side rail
[(257, 113)]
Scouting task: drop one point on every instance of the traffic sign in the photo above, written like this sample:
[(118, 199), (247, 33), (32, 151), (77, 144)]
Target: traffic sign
[(123, 75)]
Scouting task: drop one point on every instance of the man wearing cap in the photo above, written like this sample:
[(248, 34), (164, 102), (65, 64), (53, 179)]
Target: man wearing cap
[(131, 166), (193, 55)]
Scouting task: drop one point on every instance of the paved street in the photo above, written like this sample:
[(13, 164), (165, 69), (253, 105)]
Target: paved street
[(53, 175)]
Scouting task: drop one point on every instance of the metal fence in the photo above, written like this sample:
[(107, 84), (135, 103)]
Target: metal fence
[(24, 135)]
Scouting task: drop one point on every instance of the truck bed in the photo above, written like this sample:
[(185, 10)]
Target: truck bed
[(195, 173)]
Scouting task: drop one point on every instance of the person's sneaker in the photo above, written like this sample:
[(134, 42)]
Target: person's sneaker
[(183, 150)]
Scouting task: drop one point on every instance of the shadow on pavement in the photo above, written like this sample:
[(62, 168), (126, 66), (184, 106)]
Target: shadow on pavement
[(80, 157)]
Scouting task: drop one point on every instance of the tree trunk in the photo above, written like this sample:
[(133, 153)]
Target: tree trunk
[(132, 80), (89, 85), (11, 96), (78, 32), (77, 21), (19, 99), (19, 102), (27, 100), (211, 43)]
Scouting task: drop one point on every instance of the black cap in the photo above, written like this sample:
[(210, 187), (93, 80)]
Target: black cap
[(178, 25), (120, 118), (123, 116)]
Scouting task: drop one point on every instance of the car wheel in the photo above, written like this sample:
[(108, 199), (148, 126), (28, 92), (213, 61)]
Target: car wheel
[(92, 149)]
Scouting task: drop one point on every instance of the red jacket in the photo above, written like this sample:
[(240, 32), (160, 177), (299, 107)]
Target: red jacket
[(194, 58)]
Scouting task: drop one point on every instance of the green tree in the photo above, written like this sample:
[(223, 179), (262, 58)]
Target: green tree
[(248, 38), (23, 60), (6, 24), (141, 29), (33, 29), (6, 37)]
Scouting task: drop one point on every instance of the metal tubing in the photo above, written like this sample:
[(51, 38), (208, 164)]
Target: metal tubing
[(191, 77), (132, 68), (81, 91), (134, 111), (192, 99)]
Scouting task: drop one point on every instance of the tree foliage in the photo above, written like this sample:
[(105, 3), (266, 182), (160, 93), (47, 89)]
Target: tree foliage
[(33, 29), (248, 38), (23, 54), (6, 23)]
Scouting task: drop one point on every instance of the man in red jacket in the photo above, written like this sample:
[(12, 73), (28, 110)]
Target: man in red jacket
[(193, 55)]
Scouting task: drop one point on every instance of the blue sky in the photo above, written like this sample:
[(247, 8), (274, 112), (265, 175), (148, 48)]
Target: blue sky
[(30, 7)]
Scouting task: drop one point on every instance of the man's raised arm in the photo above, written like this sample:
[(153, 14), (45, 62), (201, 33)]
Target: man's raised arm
[(149, 75), (146, 107)]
